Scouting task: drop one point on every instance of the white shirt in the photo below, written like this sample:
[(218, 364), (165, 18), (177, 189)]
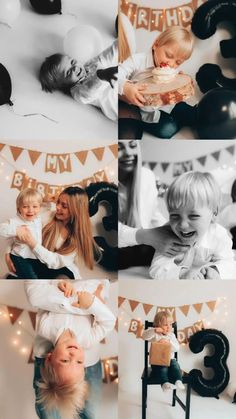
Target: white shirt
[(8, 230), (56, 314), (96, 92), (150, 215), (150, 335), (136, 68), (214, 248)]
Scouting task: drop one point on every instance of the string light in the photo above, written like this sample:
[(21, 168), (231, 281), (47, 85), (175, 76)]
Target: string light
[(18, 332)]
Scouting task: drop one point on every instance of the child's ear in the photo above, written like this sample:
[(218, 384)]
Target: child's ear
[(48, 357)]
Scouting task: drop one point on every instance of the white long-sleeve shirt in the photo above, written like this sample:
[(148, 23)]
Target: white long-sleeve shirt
[(96, 92), (150, 335), (56, 314), (8, 230), (136, 68), (149, 212), (214, 248)]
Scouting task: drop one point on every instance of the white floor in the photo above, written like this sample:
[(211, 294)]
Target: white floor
[(159, 406)]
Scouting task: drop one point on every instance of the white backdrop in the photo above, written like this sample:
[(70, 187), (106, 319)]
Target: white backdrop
[(24, 47), (79, 172), (16, 392)]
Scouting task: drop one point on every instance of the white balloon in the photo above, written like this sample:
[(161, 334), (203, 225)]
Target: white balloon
[(83, 43), (9, 11)]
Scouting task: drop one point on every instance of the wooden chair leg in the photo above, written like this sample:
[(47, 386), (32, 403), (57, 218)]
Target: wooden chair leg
[(173, 397), (188, 397), (144, 399)]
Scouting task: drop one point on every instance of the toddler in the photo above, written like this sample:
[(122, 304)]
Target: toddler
[(172, 47), (86, 84), (162, 332), (28, 204), (193, 201)]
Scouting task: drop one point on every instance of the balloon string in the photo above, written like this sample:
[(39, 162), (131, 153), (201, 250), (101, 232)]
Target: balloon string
[(36, 114)]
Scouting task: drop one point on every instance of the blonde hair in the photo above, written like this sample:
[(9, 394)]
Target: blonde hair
[(68, 399), (194, 188), (133, 218), (160, 316), (179, 35), (26, 196), (80, 237), (123, 45)]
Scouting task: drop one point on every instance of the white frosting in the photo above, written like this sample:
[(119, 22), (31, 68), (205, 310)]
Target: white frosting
[(164, 74)]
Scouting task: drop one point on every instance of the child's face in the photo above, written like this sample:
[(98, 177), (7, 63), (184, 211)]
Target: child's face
[(190, 223), (30, 209), (62, 209), (166, 326), (71, 71), (128, 155), (168, 54), (67, 360)]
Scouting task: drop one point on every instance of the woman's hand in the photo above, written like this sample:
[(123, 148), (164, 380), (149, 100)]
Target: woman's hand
[(162, 239), (133, 93), (164, 341), (25, 236), (67, 288), (158, 330), (9, 263), (108, 74), (85, 299)]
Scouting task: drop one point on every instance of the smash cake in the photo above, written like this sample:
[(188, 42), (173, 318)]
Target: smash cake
[(164, 73)]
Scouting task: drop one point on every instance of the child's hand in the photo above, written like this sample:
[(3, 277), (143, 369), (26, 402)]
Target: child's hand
[(211, 273), (85, 299), (67, 288), (191, 274), (108, 74), (158, 330), (133, 93)]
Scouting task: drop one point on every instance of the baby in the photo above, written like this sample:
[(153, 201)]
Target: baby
[(162, 332), (171, 48), (28, 204), (193, 201), (86, 84)]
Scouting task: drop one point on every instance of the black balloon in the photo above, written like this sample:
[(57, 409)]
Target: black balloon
[(5, 86), (211, 387), (209, 76), (46, 7), (216, 114)]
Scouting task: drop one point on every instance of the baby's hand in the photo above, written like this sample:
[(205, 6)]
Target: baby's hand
[(133, 93), (211, 273), (67, 288), (158, 330), (191, 274), (84, 299)]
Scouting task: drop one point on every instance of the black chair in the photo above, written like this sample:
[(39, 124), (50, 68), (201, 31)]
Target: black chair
[(149, 379)]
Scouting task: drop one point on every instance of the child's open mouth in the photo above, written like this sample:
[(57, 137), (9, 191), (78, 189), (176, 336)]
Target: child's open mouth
[(187, 235)]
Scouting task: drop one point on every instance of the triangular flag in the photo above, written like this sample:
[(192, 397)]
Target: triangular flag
[(230, 149), (114, 149), (147, 308), (198, 307), (152, 165), (202, 160), (216, 155), (34, 155), (133, 304), (32, 315), (120, 301), (31, 359), (82, 156), (1, 146), (211, 305), (16, 151), (103, 341), (98, 152), (185, 309), (117, 324), (14, 313), (165, 166)]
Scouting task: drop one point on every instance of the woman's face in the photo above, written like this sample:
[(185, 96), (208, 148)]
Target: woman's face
[(67, 359), (128, 155), (62, 209)]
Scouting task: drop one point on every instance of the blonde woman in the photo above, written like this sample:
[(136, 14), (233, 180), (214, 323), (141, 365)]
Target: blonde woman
[(140, 221), (66, 238)]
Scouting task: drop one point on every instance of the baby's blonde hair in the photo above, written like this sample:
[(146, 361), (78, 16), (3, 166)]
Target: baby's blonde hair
[(26, 196), (160, 316), (194, 188), (179, 35), (68, 399)]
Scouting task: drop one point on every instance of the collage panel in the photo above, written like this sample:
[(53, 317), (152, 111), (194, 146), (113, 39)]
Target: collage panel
[(58, 69), (193, 362), (177, 210)]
